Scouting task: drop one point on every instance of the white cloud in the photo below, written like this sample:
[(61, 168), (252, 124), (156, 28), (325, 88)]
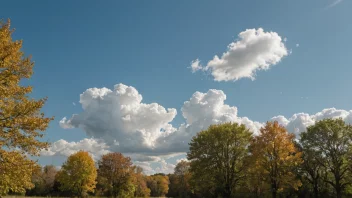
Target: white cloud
[(61, 147), (181, 159), (300, 121), (195, 65), (297, 45), (117, 121), (334, 3), (255, 50), (165, 167), (73, 103), (120, 118)]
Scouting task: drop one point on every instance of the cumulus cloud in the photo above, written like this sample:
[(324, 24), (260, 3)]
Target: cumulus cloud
[(254, 50), (117, 121), (120, 118), (61, 147), (299, 122)]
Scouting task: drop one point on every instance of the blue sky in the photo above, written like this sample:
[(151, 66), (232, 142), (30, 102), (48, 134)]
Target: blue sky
[(77, 45)]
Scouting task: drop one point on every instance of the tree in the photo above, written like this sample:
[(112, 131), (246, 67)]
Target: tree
[(115, 174), (21, 123), (43, 179), (142, 189), (311, 170), (330, 141), (276, 157), (78, 174), (217, 158), (183, 176), (158, 185)]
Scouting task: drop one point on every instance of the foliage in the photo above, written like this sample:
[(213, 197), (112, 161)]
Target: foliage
[(21, 123), (329, 142), (275, 157), (142, 189), (158, 185), (78, 174), (43, 179), (116, 175), (217, 158)]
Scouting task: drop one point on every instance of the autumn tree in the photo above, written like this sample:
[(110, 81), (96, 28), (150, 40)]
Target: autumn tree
[(329, 142), (116, 175), (276, 157), (78, 174), (142, 189), (217, 158), (158, 185), (21, 122), (43, 179)]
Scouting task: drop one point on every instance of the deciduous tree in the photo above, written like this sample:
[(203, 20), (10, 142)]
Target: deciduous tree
[(330, 141), (116, 174), (21, 122), (183, 175), (217, 158), (142, 189), (78, 174), (158, 185), (275, 157)]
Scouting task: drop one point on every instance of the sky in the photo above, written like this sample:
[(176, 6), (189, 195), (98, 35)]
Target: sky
[(143, 77)]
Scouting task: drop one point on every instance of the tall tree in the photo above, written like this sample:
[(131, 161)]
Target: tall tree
[(217, 158), (311, 169), (275, 156), (21, 123), (115, 174), (78, 174), (331, 140), (142, 189), (183, 176)]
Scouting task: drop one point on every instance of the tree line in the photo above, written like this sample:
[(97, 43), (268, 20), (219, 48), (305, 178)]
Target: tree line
[(226, 160)]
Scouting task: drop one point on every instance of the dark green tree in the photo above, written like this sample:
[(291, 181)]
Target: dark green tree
[(328, 143)]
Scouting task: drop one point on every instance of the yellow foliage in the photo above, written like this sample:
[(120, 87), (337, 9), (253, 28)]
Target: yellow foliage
[(78, 174), (275, 157), (21, 122)]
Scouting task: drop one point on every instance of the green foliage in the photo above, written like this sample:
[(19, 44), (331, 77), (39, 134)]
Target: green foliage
[(218, 159), (328, 144)]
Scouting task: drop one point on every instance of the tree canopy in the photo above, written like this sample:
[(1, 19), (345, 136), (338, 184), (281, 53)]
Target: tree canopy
[(78, 174), (218, 158), (275, 157), (21, 122)]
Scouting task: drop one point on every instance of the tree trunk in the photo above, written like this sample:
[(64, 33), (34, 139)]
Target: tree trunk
[(316, 191), (338, 192), (227, 191), (273, 190)]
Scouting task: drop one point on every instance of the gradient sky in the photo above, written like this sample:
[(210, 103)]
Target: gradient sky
[(150, 45)]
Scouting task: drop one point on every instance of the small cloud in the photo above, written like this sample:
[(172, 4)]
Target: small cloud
[(334, 3), (254, 50), (74, 104), (297, 45), (285, 39), (195, 65)]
